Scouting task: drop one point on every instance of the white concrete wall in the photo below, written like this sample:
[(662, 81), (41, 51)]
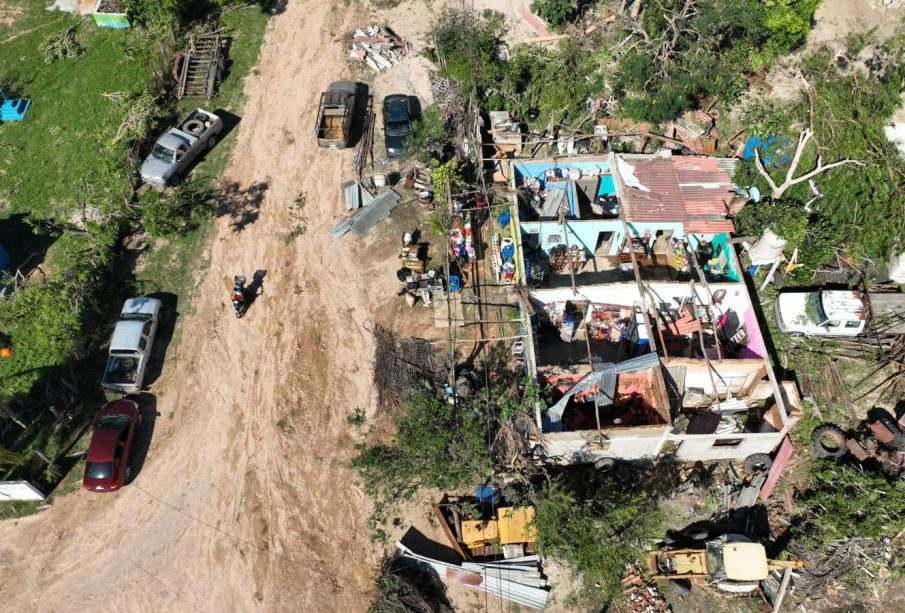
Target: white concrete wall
[(699, 447), (584, 446)]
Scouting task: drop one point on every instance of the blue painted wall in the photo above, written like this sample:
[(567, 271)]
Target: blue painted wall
[(585, 233)]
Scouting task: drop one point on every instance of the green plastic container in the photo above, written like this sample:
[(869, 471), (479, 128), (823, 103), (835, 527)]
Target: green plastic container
[(109, 20)]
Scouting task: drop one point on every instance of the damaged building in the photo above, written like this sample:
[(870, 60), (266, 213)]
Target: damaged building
[(643, 338)]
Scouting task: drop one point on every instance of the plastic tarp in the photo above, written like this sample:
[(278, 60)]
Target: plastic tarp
[(604, 376)]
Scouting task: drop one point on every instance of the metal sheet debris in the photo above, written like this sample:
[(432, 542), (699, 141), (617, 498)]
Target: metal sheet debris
[(363, 220), (524, 587)]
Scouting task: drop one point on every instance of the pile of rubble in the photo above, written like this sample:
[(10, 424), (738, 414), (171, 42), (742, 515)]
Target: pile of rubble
[(378, 47), (641, 596)]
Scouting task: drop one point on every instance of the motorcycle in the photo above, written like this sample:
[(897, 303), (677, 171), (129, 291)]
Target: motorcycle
[(240, 304)]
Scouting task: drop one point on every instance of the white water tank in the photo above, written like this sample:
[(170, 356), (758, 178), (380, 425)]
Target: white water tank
[(767, 249)]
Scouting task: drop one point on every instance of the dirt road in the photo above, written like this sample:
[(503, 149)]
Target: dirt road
[(244, 502)]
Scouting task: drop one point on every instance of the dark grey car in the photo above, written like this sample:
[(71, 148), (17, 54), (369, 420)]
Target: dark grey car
[(397, 124)]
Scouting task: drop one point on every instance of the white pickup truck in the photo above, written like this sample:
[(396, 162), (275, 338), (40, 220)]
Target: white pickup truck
[(130, 347), (826, 312)]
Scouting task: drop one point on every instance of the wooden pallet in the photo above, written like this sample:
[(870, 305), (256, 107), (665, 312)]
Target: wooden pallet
[(201, 67)]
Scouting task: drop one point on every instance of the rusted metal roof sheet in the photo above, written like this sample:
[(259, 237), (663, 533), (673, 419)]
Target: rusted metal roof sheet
[(680, 188)]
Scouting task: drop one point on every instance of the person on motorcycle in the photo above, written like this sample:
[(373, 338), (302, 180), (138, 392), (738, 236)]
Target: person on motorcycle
[(239, 295)]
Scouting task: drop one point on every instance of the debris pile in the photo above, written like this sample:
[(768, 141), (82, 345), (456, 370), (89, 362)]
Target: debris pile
[(362, 220), (641, 596), (399, 364), (449, 99), (514, 443), (378, 47), (517, 579)]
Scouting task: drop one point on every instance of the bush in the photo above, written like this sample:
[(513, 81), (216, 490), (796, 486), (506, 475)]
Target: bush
[(41, 324), (436, 445), (468, 44), (704, 52), (556, 12), (598, 535), (402, 586)]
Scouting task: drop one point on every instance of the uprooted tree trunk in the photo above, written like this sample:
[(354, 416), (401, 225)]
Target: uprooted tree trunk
[(778, 190)]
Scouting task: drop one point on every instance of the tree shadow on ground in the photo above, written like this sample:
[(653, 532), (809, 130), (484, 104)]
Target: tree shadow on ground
[(241, 204)]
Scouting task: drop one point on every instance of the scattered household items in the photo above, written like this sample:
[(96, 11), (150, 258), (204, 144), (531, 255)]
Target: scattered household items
[(200, 69), (378, 47), (335, 114), (111, 14), (110, 450), (13, 109), (240, 305), (640, 595), (130, 347), (503, 259), (361, 221), (516, 579), (878, 439), (179, 146), (826, 312), (413, 257), (356, 195), (397, 124), (418, 284), (731, 563)]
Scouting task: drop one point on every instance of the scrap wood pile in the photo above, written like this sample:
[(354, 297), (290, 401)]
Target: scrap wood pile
[(513, 447), (640, 595), (696, 129), (378, 47), (400, 364), (842, 558), (449, 100)]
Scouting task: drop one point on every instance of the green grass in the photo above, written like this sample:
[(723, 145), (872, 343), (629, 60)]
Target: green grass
[(44, 158), (172, 263), (246, 26)]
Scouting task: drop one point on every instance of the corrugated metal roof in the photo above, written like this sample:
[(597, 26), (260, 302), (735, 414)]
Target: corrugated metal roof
[(686, 189)]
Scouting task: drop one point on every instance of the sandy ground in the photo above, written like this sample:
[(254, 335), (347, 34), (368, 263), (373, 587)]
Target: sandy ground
[(244, 502)]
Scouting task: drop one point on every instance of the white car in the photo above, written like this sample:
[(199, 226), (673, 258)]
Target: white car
[(822, 312)]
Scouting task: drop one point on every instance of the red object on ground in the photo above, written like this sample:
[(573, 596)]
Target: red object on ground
[(779, 464), (5, 352)]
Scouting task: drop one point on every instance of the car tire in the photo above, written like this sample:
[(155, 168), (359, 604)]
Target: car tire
[(833, 433), (757, 462), (175, 180), (211, 142)]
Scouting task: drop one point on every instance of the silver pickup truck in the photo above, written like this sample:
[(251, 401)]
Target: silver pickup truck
[(130, 347), (179, 146)]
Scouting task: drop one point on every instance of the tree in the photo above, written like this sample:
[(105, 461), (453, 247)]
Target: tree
[(777, 191), (42, 322), (556, 12)]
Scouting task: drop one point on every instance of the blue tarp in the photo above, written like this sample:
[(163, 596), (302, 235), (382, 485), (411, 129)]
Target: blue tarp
[(14, 109), (4, 258), (770, 150)]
